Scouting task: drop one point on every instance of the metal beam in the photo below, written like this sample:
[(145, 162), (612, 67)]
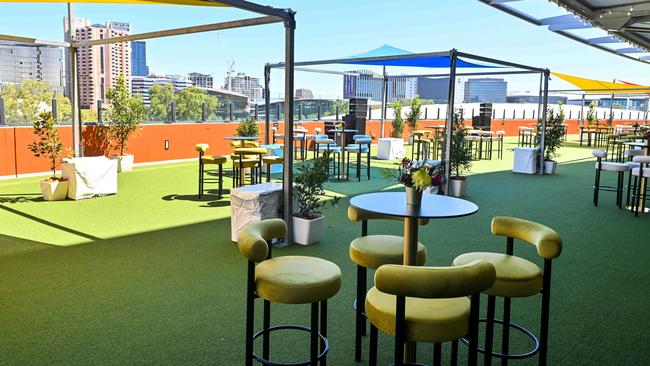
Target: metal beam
[(287, 171), (463, 74), (286, 14), (499, 62), (350, 60), (34, 41), (450, 118), (181, 31)]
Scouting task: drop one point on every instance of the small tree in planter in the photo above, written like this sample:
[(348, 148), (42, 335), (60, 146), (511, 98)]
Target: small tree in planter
[(248, 127), (398, 123), (460, 158), (125, 114), (47, 144), (310, 178), (413, 116), (552, 137), (592, 120)]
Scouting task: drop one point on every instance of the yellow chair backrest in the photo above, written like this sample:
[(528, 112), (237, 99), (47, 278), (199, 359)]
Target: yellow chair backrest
[(547, 241), (252, 239), (435, 282)]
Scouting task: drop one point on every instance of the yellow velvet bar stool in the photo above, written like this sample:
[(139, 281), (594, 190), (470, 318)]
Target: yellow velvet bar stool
[(269, 161), (247, 158), (373, 251), (420, 141), (428, 304), (209, 160), (285, 280), (518, 277)]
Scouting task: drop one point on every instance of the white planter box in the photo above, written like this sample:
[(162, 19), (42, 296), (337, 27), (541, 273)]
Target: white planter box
[(124, 162), (307, 232), (390, 149), (56, 190), (458, 187)]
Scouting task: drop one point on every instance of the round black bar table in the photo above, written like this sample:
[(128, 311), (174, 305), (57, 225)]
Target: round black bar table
[(432, 207)]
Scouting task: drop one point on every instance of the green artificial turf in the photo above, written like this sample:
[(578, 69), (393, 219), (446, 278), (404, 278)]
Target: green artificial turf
[(150, 276)]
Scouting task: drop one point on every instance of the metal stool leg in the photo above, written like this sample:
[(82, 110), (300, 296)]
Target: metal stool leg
[(372, 357), (359, 317), (505, 338), (323, 329), (314, 335), (220, 180)]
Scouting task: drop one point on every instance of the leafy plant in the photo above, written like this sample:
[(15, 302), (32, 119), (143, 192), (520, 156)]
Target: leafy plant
[(342, 104), (413, 116), (248, 127), (460, 158), (398, 122), (417, 174), (125, 114), (553, 134), (310, 179), (591, 114), (47, 143)]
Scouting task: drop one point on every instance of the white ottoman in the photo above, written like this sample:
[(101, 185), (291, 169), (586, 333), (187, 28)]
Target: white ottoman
[(252, 204), (90, 176), (390, 149)]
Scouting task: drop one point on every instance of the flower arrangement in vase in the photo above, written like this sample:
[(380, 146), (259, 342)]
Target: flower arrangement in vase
[(417, 177)]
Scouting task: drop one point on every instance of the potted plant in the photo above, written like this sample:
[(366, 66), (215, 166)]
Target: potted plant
[(553, 136), (48, 145), (460, 158), (591, 115), (417, 177), (124, 115), (398, 123), (413, 116), (248, 127), (308, 221)]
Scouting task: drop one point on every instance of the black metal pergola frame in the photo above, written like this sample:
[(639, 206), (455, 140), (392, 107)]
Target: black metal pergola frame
[(270, 15), (453, 55)]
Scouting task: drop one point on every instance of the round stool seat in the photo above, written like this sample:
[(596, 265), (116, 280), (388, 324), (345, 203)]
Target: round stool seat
[(515, 277), (273, 159), (373, 251), (244, 163), (297, 279), (201, 147), (613, 167), (214, 160), (646, 172), (427, 320)]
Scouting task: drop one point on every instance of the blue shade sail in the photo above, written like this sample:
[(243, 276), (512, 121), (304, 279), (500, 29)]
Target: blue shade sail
[(423, 61)]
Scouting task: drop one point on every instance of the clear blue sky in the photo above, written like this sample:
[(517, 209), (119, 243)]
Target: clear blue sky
[(337, 28)]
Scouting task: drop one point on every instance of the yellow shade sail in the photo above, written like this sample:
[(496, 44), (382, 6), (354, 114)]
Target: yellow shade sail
[(591, 86), (139, 2)]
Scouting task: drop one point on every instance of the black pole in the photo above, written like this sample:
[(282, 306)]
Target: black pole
[(100, 112), (369, 112), (257, 116), (426, 113), (267, 104), (55, 113), (453, 56), (337, 113), (287, 171), (2, 111), (204, 110), (230, 112), (299, 111), (173, 114), (277, 111), (318, 112), (542, 138)]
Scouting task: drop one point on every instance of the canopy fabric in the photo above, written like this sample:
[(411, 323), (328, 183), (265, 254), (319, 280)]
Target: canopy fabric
[(591, 86), (139, 2), (426, 60)]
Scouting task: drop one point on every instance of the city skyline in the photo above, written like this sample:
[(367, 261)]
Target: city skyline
[(501, 36)]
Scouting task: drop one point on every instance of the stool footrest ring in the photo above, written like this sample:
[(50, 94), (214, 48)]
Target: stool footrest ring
[(264, 361), (510, 356)]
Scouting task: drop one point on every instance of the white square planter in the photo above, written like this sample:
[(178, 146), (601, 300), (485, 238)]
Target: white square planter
[(56, 190), (307, 232), (124, 162)]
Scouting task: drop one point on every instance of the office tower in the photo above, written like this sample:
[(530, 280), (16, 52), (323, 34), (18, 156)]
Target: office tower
[(201, 80), (244, 84), (20, 62), (139, 58)]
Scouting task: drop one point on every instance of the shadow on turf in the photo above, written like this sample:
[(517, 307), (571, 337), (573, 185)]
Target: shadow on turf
[(50, 224), (211, 199)]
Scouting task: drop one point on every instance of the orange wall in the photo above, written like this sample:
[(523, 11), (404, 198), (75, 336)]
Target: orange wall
[(148, 144)]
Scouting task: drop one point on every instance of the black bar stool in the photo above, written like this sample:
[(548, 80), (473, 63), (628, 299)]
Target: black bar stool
[(609, 166), (285, 280), (209, 160)]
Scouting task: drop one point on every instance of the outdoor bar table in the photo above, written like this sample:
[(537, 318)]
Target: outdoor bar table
[(241, 139), (432, 207), (342, 162)]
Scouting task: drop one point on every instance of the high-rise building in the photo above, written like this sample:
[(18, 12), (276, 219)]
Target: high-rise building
[(304, 93), (77, 23), (140, 84), (369, 85), (244, 84), (101, 66), (20, 62), (485, 90), (139, 58), (201, 80)]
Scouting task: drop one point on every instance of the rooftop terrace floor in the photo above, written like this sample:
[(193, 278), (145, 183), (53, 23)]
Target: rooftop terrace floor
[(150, 276)]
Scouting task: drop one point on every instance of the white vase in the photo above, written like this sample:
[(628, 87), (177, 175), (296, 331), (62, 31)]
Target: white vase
[(307, 232), (458, 187), (549, 166), (124, 162), (54, 190)]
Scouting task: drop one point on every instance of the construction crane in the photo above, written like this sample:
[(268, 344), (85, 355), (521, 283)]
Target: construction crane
[(230, 62)]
